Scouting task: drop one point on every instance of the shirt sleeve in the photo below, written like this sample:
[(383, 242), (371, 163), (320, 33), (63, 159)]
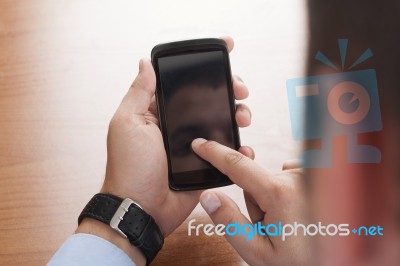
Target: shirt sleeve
[(86, 249)]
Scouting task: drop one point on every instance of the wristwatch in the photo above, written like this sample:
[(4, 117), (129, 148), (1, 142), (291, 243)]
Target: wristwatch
[(129, 219)]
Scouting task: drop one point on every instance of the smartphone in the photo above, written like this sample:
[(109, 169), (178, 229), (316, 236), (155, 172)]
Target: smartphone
[(195, 100)]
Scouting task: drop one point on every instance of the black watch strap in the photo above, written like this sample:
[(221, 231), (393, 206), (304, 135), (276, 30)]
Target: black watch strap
[(129, 219)]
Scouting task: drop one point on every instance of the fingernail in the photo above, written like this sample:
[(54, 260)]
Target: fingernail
[(198, 141), (247, 112), (240, 79), (210, 203), (140, 65)]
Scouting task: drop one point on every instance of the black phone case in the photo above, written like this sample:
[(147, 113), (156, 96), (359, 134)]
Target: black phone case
[(191, 46)]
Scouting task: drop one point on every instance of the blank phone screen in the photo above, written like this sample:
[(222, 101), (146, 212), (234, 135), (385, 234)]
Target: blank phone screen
[(196, 105)]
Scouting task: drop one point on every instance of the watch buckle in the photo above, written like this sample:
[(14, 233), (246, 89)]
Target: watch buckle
[(120, 213)]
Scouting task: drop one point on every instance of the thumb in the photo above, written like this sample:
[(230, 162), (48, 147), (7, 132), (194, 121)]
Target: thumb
[(141, 92), (240, 231)]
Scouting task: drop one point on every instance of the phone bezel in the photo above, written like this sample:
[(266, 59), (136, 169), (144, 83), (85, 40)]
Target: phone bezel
[(212, 176)]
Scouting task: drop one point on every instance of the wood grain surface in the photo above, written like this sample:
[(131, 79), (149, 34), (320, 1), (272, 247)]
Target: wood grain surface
[(65, 66)]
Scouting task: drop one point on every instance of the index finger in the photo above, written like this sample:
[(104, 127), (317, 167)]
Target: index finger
[(241, 170)]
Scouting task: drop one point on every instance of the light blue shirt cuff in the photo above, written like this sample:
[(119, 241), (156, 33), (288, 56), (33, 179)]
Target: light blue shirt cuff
[(86, 249)]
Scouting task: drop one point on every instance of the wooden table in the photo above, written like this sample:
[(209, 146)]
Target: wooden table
[(64, 67)]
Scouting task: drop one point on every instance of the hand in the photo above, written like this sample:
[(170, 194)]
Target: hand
[(269, 199), (137, 162)]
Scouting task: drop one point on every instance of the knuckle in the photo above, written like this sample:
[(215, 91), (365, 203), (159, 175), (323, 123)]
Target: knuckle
[(231, 218), (120, 120), (277, 190), (282, 190), (137, 83), (234, 158), (284, 194), (140, 83), (209, 145), (232, 214)]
